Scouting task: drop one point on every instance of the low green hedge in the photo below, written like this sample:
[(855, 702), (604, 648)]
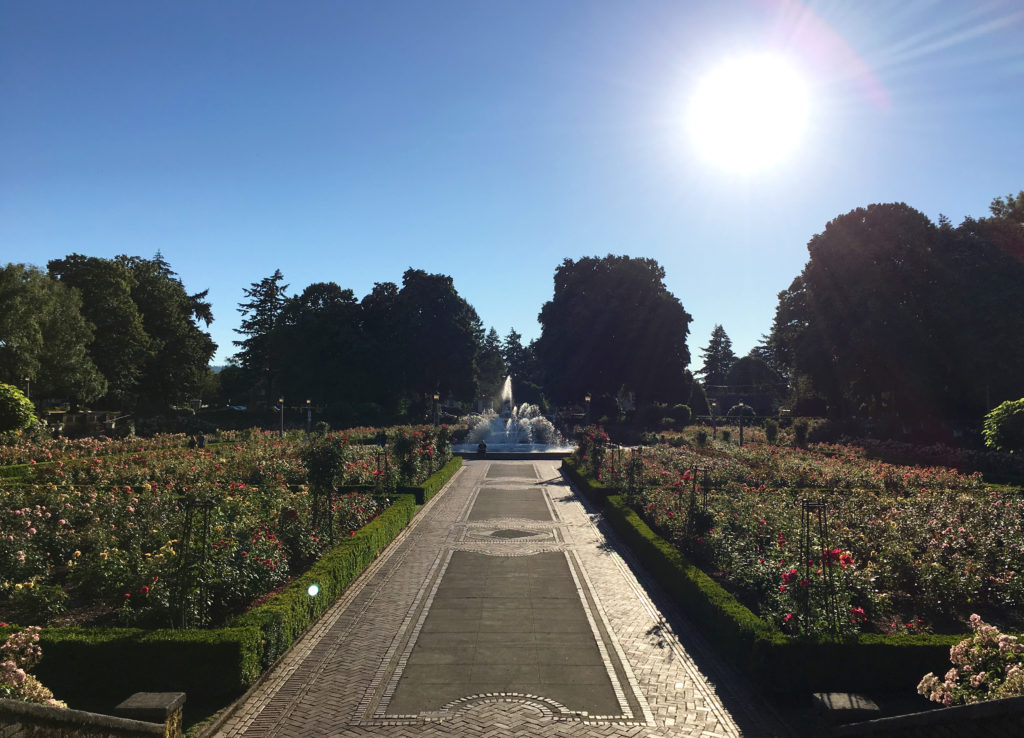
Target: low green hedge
[(15, 471), (285, 616), (779, 663), (434, 484), (99, 667)]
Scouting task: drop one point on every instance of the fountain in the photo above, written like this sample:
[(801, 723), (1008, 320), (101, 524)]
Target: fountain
[(515, 429)]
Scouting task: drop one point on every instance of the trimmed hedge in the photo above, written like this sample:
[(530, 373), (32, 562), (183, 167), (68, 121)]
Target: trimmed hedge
[(779, 663), (103, 666), (219, 663), (283, 618), (434, 484), (216, 664), (15, 471)]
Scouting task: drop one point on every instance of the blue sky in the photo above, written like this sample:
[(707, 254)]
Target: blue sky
[(349, 141)]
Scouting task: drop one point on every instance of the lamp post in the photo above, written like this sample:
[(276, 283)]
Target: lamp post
[(742, 408), (714, 425), (436, 398), (28, 387), (586, 400), (309, 417), (280, 402)]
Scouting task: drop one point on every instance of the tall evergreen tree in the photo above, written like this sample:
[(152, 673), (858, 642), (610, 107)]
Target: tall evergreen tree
[(261, 317), (718, 358)]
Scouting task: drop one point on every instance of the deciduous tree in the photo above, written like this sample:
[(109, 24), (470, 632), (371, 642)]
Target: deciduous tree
[(612, 322)]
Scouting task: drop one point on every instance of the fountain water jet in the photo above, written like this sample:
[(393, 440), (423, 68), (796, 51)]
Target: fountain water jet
[(521, 429)]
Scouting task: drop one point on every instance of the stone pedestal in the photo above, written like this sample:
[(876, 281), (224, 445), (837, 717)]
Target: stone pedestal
[(155, 707)]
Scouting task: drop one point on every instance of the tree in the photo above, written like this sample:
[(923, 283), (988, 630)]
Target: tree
[(490, 365), (178, 361), (321, 335), (612, 322), (261, 318), (893, 315), (752, 379), (16, 410), (382, 327), (120, 347), (718, 358), (43, 336), (1009, 208), (441, 334), (1004, 426)]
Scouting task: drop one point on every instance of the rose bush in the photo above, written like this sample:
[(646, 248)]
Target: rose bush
[(173, 536), (907, 549), (987, 666)]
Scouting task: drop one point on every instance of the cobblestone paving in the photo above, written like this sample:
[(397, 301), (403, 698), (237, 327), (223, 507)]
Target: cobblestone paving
[(341, 677)]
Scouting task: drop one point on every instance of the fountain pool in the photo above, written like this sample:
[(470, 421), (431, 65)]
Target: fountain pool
[(515, 430)]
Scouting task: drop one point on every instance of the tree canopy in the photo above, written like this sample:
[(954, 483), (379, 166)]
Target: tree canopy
[(43, 336), (894, 315), (613, 323)]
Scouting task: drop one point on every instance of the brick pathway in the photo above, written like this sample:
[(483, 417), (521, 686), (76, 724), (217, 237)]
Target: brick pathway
[(506, 608)]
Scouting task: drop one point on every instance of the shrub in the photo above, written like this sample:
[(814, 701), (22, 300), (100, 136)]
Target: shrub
[(16, 411), (771, 431), (987, 666), (701, 438), (726, 435), (19, 653), (682, 414), (800, 429), (1004, 426)]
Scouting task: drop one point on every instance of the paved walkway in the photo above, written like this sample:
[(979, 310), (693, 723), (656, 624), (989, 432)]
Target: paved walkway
[(504, 609)]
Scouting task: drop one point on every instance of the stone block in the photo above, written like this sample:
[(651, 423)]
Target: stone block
[(844, 707)]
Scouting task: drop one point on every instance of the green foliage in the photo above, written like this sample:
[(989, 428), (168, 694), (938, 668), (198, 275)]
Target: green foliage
[(438, 480), (16, 410), (1004, 426), (32, 602), (700, 438), (987, 666), (612, 322), (261, 317), (45, 336), (771, 431), (924, 290), (800, 431), (120, 345), (285, 616), (718, 358), (780, 664), (726, 435), (176, 368), (681, 414), (491, 365), (123, 661)]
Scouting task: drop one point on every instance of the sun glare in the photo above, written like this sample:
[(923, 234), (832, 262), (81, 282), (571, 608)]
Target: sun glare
[(749, 113)]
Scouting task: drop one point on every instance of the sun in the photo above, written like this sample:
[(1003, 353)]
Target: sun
[(749, 113)]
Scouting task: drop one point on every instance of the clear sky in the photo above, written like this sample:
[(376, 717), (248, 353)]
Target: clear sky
[(488, 139)]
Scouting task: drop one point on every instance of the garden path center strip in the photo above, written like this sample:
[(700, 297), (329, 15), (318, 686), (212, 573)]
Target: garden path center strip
[(504, 605)]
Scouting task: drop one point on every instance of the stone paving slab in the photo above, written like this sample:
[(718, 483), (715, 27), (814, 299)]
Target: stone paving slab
[(575, 641)]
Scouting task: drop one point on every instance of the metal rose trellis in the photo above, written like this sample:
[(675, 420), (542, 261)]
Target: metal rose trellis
[(814, 524)]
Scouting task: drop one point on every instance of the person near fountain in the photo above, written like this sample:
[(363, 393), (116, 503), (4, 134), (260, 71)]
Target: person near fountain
[(481, 448)]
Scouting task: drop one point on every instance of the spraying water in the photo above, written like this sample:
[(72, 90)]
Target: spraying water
[(514, 428)]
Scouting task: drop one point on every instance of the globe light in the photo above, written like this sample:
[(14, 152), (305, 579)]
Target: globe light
[(313, 590)]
